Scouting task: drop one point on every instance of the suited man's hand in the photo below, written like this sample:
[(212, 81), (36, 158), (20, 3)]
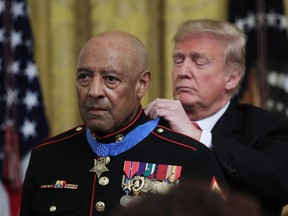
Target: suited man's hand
[(173, 112)]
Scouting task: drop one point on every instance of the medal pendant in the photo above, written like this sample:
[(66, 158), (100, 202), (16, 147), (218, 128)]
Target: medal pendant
[(147, 186), (99, 166), (125, 200), (138, 183), (163, 187)]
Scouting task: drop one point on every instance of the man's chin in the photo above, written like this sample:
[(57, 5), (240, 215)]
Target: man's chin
[(186, 99), (98, 126)]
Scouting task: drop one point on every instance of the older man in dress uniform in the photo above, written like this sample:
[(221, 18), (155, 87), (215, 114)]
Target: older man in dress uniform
[(119, 154)]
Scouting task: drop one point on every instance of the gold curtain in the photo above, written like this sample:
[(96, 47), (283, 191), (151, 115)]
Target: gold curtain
[(61, 27)]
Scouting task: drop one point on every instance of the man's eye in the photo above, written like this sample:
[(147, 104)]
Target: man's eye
[(110, 78), (178, 61), (200, 62), (82, 76)]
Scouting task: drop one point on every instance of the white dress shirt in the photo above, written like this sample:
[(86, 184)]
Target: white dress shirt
[(207, 124)]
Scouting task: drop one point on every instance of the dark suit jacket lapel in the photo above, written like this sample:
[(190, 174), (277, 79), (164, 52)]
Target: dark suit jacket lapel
[(229, 123)]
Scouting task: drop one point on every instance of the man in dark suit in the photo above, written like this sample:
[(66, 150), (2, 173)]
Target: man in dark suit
[(119, 154), (250, 144)]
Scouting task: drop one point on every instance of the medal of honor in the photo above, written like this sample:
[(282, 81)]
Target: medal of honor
[(100, 166)]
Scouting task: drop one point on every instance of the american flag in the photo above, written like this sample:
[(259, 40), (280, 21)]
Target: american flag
[(266, 25), (22, 118)]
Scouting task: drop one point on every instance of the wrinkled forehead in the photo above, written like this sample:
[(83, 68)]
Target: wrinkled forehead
[(200, 41), (202, 34)]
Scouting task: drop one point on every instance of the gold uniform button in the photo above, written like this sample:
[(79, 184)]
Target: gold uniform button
[(119, 137), (160, 130), (100, 206), (52, 208), (78, 128), (103, 181)]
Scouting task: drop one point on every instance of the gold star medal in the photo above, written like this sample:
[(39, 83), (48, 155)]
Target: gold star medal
[(99, 166)]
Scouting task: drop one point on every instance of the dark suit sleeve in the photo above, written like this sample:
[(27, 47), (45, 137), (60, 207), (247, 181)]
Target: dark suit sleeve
[(257, 161)]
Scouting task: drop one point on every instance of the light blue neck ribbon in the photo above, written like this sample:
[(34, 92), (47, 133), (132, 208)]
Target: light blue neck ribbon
[(131, 139)]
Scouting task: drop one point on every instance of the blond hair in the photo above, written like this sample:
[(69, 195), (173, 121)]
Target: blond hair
[(230, 35)]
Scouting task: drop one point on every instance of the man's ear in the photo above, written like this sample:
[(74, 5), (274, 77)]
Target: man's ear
[(233, 78), (143, 83)]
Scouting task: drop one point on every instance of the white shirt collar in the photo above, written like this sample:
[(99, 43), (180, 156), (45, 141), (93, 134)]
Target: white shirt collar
[(209, 122)]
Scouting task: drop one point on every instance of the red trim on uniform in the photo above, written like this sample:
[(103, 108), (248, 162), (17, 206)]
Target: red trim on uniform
[(117, 132), (51, 142), (175, 142), (166, 128), (92, 196)]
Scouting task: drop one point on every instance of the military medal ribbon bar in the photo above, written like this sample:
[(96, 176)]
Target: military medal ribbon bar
[(142, 177)]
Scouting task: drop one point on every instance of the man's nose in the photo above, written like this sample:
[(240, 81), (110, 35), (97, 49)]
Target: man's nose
[(96, 87), (186, 69)]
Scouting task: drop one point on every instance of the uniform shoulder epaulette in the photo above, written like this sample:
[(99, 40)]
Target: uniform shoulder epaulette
[(63, 136)]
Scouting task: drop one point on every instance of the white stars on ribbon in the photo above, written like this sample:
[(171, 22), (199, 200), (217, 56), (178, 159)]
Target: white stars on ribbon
[(28, 129), (102, 150), (31, 100)]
